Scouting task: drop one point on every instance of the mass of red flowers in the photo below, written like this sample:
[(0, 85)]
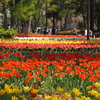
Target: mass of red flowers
[(56, 65), (46, 45), (41, 35)]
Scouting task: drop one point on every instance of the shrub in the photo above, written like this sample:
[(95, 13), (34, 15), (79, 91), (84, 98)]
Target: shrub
[(10, 33), (68, 28), (80, 25), (2, 31), (7, 33)]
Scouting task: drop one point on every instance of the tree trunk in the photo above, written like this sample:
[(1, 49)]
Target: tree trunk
[(98, 23), (19, 26), (53, 28), (46, 17), (53, 23), (88, 19), (32, 26), (92, 5), (25, 28), (13, 20), (35, 22), (61, 24), (83, 6), (5, 17), (84, 20), (65, 24), (29, 25)]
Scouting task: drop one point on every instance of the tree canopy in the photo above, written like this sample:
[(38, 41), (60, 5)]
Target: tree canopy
[(17, 13)]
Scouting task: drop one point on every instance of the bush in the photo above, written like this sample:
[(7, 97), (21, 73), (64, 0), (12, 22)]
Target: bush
[(10, 33), (71, 33), (68, 28), (7, 33), (1, 27), (2, 31), (80, 25)]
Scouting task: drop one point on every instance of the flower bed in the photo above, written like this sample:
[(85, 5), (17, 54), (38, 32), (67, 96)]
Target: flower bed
[(49, 69), (45, 43), (41, 35)]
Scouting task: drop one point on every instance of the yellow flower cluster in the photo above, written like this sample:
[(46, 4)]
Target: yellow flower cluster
[(35, 91), (61, 94), (96, 92), (42, 41), (82, 98), (97, 84), (12, 89), (67, 96), (60, 89), (76, 91), (9, 89), (26, 89)]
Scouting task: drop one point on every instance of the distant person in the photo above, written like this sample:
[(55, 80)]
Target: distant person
[(90, 32), (50, 31), (85, 32), (53, 31), (45, 32), (33, 31), (75, 31)]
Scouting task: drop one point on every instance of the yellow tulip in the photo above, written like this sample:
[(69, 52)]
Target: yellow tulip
[(60, 89), (16, 89), (97, 96), (35, 91), (8, 89), (76, 91), (97, 84), (26, 89), (67, 96), (88, 87), (2, 92), (14, 98), (47, 98)]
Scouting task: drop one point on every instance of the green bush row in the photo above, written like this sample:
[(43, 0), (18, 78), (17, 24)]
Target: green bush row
[(71, 33), (68, 28), (9, 33)]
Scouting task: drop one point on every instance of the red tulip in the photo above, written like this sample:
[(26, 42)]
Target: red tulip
[(33, 95)]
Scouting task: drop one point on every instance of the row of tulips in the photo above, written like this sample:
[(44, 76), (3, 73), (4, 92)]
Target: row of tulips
[(32, 93), (41, 35), (50, 41), (60, 93), (50, 74), (64, 44), (53, 46)]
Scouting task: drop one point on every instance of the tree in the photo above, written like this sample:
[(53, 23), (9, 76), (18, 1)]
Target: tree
[(53, 12), (4, 7), (80, 8), (66, 8), (61, 9), (24, 11), (12, 9), (92, 9), (97, 14), (38, 15)]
